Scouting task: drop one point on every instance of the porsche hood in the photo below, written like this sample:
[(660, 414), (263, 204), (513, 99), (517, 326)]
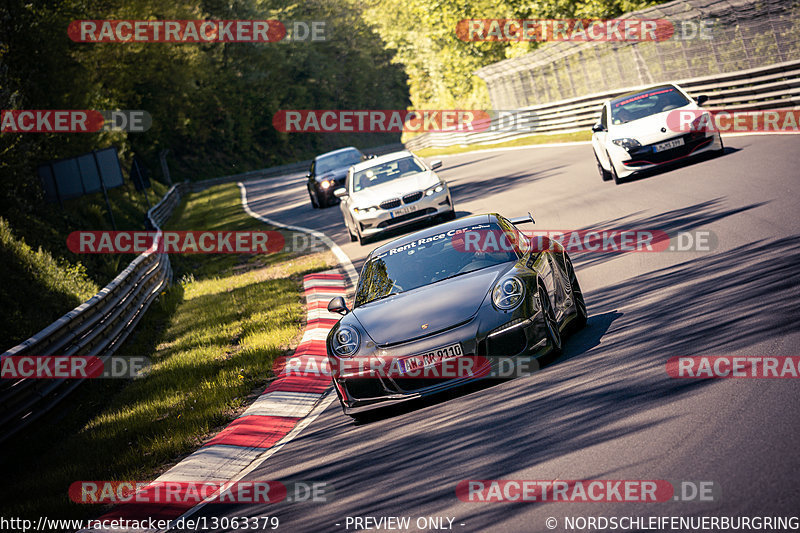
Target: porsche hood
[(429, 309)]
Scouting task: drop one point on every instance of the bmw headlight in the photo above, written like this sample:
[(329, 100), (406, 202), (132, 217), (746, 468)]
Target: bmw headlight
[(362, 210), (346, 341), (439, 187), (508, 293), (627, 143)]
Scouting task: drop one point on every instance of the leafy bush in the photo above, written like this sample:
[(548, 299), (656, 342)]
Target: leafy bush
[(37, 288)]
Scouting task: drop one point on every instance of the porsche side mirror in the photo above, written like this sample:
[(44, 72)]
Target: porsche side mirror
[(337, 305), (436, 164), (598, 128), (702, 99), (341, 192), (308, 174)]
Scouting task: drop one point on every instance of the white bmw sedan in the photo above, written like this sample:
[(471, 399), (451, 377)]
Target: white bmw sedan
[(392, 191), (640, 130)]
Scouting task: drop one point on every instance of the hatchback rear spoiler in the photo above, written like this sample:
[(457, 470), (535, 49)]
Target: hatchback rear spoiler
[(523, 220)]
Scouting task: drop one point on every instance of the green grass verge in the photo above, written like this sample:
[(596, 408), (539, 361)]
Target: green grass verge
[(37, 288), (212, 338), (546, 138), (42, 279)]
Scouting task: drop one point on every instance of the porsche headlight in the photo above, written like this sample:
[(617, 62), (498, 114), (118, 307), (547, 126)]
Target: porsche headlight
[(508, 293), (346, 341), (326, 183), (627, 143), (439, 187)]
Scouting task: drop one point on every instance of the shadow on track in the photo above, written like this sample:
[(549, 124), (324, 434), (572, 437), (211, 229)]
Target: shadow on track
[(612, 371), (668, 167), (446, 167), (576, 344), (693, 217), (486, 187)]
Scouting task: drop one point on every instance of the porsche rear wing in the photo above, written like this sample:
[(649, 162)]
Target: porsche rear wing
[(523, 220)]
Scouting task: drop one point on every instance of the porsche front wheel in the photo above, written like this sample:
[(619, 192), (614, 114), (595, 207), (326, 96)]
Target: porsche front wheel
[(551, 325), (577, 296)]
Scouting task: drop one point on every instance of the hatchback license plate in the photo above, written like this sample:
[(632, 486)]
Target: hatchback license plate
[(669, 145)]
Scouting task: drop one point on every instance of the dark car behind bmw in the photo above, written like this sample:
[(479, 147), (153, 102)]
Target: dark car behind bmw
[(328, 172)]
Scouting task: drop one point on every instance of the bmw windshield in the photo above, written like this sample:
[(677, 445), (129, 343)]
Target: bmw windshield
[(656, 100), (429, 260), (385, 172)]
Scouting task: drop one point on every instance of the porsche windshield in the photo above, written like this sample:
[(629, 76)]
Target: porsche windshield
[(429, 260), (646, 103), (385, 172)]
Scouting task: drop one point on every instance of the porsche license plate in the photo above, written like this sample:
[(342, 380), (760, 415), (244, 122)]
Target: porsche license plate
[(428, 359), (669, 145), (402, 211)]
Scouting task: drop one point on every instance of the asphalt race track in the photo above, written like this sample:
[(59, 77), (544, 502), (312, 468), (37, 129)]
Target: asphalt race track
[(606, 409)]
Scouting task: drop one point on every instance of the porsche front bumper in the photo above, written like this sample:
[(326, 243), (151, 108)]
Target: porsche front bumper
[(507, 336)]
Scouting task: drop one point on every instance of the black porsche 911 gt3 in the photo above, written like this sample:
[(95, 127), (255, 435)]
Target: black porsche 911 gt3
[(430, 298)]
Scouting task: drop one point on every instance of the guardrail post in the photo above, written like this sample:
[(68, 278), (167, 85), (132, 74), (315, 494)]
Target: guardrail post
[(164, 168)]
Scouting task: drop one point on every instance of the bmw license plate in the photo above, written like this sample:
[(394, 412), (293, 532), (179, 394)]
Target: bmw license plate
[(428, 359), (669, 145), (402, 211)]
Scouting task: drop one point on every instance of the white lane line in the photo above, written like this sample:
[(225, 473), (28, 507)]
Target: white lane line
[(338, 252)]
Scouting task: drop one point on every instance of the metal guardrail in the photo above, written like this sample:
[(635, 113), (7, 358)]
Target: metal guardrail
[(95, 328), (769, 87)]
